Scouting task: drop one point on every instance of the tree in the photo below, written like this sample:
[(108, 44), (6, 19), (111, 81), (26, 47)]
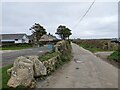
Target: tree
[(67, 33), (63, 32), (37, 32)]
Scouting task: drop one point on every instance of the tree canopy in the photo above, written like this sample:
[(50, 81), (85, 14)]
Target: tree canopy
[(63, 32), (37, 32)]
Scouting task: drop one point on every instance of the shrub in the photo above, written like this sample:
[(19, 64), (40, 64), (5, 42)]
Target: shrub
[(115, 56)]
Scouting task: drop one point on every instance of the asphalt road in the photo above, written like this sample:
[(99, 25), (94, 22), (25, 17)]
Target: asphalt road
[(8, 57), (85, 71)]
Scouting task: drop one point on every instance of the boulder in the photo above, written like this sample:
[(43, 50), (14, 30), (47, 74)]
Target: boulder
[(39, 68), (24, 70), (9, 71)]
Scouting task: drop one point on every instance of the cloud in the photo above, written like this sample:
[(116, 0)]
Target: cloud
[(100, 22)]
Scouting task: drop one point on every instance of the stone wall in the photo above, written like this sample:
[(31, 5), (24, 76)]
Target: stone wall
[(25, 69)]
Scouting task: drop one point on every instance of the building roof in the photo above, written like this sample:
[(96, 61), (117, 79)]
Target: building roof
[(11, 36), (48, 38)]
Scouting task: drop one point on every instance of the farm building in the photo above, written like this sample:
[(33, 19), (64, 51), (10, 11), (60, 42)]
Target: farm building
[(48, 38), (14, 38)]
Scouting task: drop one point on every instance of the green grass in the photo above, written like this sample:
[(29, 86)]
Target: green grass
[(13, 48), (47, 56), (91, 48), (5, 76), (4, 79), (115, 56)]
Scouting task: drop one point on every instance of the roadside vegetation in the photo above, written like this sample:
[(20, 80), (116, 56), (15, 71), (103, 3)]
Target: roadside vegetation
[(97, 46), (5, 76), (115, 56), (15, 46), (92, 45), (91, 48), (63, 54), (47, 56), (62, 58)]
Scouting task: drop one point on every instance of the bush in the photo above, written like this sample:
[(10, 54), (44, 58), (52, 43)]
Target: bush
[(115, 56), (47, 56), (92, 45), (63, 56)]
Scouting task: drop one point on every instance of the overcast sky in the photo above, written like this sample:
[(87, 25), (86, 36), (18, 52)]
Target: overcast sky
[(100, 22)]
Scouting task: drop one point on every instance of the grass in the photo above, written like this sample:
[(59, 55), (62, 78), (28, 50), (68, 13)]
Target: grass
[(47, 56), (65, 57), (5, 76), (4, 79), (13, 48), (115, 56), (91, 48)]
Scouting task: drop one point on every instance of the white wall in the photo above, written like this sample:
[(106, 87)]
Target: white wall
[(26, 40), (19, 41), (23, 40)]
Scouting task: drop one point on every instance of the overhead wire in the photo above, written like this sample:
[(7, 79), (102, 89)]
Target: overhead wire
[(84, 14)]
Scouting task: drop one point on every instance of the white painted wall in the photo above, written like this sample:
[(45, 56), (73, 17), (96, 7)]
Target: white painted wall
[(19, 41), (23, 40)]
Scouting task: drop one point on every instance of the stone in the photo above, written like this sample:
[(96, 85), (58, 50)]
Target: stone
[(24, 70), (39, 68), (9, 71), (21, 77), (21, 73)]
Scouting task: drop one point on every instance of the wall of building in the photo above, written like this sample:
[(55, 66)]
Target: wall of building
[(23, 40), (18, 41)]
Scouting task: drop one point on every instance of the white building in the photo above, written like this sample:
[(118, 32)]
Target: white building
[(14, 38)]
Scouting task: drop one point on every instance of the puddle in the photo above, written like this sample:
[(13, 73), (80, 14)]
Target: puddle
[(78, 61), (40, 51)]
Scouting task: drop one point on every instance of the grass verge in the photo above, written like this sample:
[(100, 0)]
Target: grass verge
[(115, 56), (91, 48), (5, 76), (13, 48)]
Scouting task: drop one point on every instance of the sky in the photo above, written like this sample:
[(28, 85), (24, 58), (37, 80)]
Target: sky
[(100, 22)]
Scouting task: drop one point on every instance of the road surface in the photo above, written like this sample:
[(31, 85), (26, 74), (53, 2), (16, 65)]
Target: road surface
[(9, 56), (84, 71), (104, 54)]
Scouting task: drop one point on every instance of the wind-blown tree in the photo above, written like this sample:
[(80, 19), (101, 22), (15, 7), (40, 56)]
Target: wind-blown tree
[(67, 33), (37, 32), (63, 32)]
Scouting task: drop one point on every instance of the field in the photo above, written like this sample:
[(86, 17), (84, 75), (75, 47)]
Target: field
[(93, 45)]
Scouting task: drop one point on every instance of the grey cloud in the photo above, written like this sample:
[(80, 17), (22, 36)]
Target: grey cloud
[(19, 17)]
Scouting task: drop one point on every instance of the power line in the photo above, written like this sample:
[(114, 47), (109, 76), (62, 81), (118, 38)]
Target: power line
[(85, 14)]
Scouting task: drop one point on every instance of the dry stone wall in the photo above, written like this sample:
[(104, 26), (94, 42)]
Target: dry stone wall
[(25, 69)]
